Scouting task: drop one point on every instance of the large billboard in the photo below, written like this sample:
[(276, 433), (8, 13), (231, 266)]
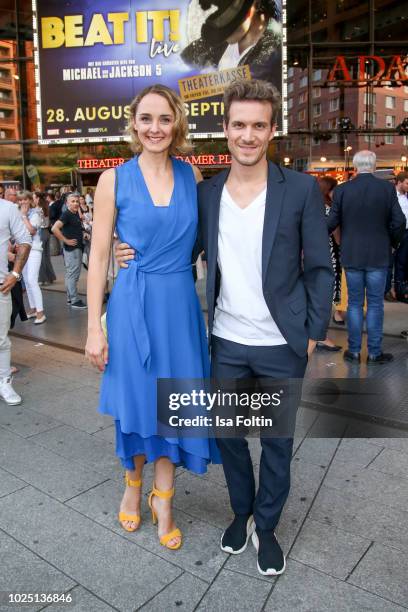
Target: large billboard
[(92, 58)]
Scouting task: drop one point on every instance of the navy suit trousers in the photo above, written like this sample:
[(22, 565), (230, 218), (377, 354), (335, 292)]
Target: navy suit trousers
[(232, 360)]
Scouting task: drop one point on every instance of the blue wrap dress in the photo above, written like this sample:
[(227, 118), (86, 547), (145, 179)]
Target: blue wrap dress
[(154, 319)]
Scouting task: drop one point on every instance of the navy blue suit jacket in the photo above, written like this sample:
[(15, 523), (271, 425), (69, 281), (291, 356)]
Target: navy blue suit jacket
[(370, 219), (297, 274)]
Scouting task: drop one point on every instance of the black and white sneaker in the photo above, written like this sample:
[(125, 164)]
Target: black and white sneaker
[(235, 538), (79, 304), (271, 560)]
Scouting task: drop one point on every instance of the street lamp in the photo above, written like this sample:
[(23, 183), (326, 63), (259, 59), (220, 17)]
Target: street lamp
[(404, 161), (323, 159), (345, 126), (347, 152), (286, 161)]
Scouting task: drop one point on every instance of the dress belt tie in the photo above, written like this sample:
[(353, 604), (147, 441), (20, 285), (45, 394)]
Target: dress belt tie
[(139, 328)]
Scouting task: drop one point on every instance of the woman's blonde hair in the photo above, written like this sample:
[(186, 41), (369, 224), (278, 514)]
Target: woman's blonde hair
[(179, 145), (24, 194)]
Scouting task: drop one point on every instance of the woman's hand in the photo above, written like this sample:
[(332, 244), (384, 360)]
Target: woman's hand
[(24, 208), (96, 349)]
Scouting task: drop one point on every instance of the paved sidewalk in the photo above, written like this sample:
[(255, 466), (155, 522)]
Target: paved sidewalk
[(344, 528)]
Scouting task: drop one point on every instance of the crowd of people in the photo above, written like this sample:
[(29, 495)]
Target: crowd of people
[(269, 304), (31, 221)]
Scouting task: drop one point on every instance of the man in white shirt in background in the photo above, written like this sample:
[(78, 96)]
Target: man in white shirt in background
[(11, 227), (401, 254)]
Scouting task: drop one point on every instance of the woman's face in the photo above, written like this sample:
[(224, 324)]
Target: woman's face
[(25, 203), (36, 199), (154, 123), (82, 201)]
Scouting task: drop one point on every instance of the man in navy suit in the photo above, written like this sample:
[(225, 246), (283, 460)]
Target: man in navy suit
[(269, 292), (371, 221)]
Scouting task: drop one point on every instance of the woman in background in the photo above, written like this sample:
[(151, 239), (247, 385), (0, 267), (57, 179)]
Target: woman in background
[(46, 275), (327, 185), (33, 218)]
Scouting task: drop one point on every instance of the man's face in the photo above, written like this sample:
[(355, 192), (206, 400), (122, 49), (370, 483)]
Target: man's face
[(242, 29), (11, 195), (403, 186), (73, 203), (249, 131)]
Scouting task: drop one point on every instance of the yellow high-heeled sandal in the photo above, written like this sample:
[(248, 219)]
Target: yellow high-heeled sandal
[(175, 533), (123, 516)]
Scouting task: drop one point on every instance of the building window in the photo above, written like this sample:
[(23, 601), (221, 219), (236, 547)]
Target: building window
[(390, 121), (389, 101), (333, 89), (317, 75), (303, 141), (317, 92), (288, 145), (303, 81), (406, 106), (334, 104), (405, 141), (389, 139), (301, 164), (369, 138), (2, 134), (370, 98), (333, 139), (371, 117), (290, 103), (302, 115), (290, 87), (291, 72), (302, 97), (317, 110)]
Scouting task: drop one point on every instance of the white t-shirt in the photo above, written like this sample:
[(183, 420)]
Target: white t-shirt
[(241, 314), (35, 217), (403, 201)]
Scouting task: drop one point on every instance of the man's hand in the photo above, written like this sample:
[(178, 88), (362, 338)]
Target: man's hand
[(8, 284), (70, 241), (123, 253), (311, 347)]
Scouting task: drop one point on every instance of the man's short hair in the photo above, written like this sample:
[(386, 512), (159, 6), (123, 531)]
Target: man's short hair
[(73, 194), (401, 177), (255, 89), (365, 161)]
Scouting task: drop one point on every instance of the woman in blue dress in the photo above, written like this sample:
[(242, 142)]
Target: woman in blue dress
[(154, 320)]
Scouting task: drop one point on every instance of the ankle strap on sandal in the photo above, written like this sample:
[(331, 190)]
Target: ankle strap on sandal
[(163, 494), (132, 483)]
